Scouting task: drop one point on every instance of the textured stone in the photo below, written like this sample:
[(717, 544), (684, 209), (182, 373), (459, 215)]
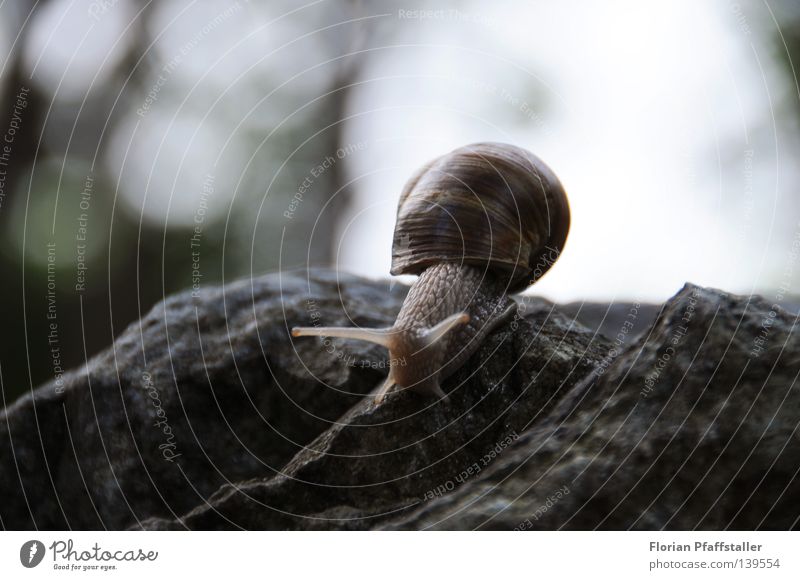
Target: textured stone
[(377, 462), (201, 392), (693, 426), (207, 415)]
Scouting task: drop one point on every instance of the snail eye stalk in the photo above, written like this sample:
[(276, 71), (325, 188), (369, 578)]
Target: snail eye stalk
[(380, 336), (439, 331)]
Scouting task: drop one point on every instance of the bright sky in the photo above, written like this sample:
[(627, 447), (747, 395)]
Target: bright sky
[(658, 123)]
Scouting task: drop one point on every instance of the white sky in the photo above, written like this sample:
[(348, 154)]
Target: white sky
[(644, 114)]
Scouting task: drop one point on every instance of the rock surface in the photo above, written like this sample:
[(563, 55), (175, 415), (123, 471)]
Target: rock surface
[(694, 426), (203, 391), (207, 415)]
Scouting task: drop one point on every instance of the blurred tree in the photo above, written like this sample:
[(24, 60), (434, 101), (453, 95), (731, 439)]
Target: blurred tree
[(66, 183)]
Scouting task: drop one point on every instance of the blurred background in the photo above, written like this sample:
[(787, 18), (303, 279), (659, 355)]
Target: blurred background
[(148, 147)]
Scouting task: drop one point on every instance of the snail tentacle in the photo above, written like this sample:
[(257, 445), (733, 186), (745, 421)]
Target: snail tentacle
[(436, 333), (381, 336)]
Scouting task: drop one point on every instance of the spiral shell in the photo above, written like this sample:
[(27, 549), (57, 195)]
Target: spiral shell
[(486, 204)]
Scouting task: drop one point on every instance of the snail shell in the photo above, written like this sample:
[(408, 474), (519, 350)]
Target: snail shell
[(483, 204)]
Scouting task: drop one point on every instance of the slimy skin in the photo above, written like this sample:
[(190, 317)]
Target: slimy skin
[(443, 291), (445, 317)]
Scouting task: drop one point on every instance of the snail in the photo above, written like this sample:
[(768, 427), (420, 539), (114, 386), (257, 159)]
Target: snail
[(477, 224)]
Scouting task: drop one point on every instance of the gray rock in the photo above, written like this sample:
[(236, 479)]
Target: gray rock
[(694, 426), (378, 462), (201, 392), (610, 317), (206, 415)]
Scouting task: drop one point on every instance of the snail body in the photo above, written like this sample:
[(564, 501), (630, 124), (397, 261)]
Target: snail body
[(476, 224), (464, 296)]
